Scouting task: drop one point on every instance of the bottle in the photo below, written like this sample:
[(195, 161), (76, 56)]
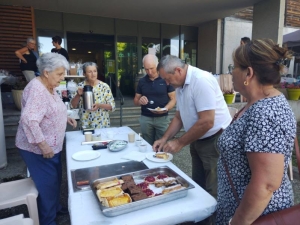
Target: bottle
[(88, 97)]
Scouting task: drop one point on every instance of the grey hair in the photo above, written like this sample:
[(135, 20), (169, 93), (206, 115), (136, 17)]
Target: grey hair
[(51, 61), (152, 57), (30, 39), (85, 65), (169, 62)]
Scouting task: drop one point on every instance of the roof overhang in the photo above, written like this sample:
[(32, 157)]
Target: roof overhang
[(181, 12)]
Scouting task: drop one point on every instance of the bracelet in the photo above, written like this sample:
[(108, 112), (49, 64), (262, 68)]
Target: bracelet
[(229, 221)]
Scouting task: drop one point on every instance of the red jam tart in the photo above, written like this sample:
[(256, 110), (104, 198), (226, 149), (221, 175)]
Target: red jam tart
[(149, 179), (161, 176), (148, 192), (143, 185)]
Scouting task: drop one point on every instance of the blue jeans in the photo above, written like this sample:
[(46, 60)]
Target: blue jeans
[(46, 175), (153, 128)]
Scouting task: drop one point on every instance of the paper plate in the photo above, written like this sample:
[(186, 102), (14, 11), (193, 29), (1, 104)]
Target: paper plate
[(150, 156), (86, 155), (161, 109)]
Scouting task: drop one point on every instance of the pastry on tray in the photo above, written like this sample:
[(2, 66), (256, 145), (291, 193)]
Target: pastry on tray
[(109, 192), (139, 196), (172, 188), (149, 179), (108, 184), (162, 155), (117, 201), (143, 185)]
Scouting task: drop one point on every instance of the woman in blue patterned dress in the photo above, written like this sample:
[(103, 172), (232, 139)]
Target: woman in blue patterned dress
[(257, 146)]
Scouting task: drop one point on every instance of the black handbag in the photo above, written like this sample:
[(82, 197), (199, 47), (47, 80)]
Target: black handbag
[(289, 216)]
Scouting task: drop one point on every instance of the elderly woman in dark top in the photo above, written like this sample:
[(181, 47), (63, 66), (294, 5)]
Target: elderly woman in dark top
[(41, 132), (257, 146), (28, 58)]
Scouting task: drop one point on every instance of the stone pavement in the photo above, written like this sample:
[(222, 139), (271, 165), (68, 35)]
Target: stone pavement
[(16, 168)]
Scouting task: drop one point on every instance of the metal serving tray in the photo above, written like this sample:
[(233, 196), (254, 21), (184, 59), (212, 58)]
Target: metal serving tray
[(133, 206), (88, 175)]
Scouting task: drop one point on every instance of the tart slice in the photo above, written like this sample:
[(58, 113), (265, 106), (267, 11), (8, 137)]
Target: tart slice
[(162, 155)]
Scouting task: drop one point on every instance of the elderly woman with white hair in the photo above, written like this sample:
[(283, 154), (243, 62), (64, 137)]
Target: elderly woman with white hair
[(28, 57), (41, 132)]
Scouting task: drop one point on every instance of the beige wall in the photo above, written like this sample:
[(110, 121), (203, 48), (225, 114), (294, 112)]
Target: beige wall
[(209, 36)]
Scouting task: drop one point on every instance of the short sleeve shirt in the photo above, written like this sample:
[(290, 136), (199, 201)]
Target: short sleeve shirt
[(99, 118), (156, 91), (61, 51), (268, 126)]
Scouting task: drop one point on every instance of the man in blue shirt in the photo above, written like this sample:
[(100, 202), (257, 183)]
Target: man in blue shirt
[(153, 92)]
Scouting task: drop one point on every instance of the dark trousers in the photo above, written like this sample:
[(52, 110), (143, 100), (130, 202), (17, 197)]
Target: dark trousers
[(47, 175), (205, 155)]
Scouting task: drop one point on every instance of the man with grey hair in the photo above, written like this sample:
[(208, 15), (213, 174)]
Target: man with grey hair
[(202, 111), (152, 93)]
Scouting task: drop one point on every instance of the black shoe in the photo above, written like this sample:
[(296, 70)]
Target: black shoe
[(63, 211)]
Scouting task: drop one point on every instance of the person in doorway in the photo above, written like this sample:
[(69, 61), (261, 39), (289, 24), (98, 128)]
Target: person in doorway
[(202, 111), (245, 40), (153, 92), (28, 57), (41, 132), (257, 146), (98, 116), (56, 41)]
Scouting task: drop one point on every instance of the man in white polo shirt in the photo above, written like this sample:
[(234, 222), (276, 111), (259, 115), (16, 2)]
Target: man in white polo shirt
[(202, 111)]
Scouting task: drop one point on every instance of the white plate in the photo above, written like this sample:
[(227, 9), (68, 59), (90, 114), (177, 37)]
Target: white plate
[(86, 155), (150, 156), (161, 109)]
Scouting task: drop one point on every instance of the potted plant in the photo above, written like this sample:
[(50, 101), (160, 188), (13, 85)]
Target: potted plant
[(229, 96), (292, 89), (17, 91)]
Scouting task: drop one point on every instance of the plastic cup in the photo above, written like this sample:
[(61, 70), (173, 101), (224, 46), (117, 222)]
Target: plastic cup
[(96, 137), (131, 137), (143, 148), (88, 136), (138, 142)]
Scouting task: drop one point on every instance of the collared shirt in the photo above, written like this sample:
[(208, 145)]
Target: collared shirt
[(201, 92), (43, 118), (155, 90)]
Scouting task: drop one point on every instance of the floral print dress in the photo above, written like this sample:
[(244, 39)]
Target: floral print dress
[(268, 126), (99, 118)]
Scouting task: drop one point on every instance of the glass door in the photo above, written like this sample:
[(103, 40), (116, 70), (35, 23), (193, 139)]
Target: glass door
[(127, 64)]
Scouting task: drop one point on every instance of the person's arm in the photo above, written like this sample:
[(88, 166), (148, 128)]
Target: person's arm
[(267, 170), (19, 53), (172, 101), (75, 100), (204, 123), (173, 129), (140, 100), (109, 99)]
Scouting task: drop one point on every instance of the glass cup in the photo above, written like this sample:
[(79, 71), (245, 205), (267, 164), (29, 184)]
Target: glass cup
[(143, 147), (88, 136), (138, 142), (131, 137), (96, 137)]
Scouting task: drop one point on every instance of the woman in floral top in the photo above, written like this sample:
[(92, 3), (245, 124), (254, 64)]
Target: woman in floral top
[(98, 116), (41, 132), (257, 146)]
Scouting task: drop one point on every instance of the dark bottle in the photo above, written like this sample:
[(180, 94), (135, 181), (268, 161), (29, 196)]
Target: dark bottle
[(88, 97)]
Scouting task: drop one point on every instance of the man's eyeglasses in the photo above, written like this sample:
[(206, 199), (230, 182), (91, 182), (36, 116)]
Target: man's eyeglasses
[(31, 43)]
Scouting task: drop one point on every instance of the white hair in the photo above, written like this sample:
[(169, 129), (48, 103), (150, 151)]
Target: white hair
[(151, 57), (30, 39), (51, 61), (169, 62)]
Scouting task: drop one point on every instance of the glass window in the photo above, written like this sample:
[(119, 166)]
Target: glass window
[(189, 52), (45, 44), (171, 46), (127, 64), (153, 43)]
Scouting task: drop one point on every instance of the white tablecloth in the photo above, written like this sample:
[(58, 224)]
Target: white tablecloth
[(84, 208)]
